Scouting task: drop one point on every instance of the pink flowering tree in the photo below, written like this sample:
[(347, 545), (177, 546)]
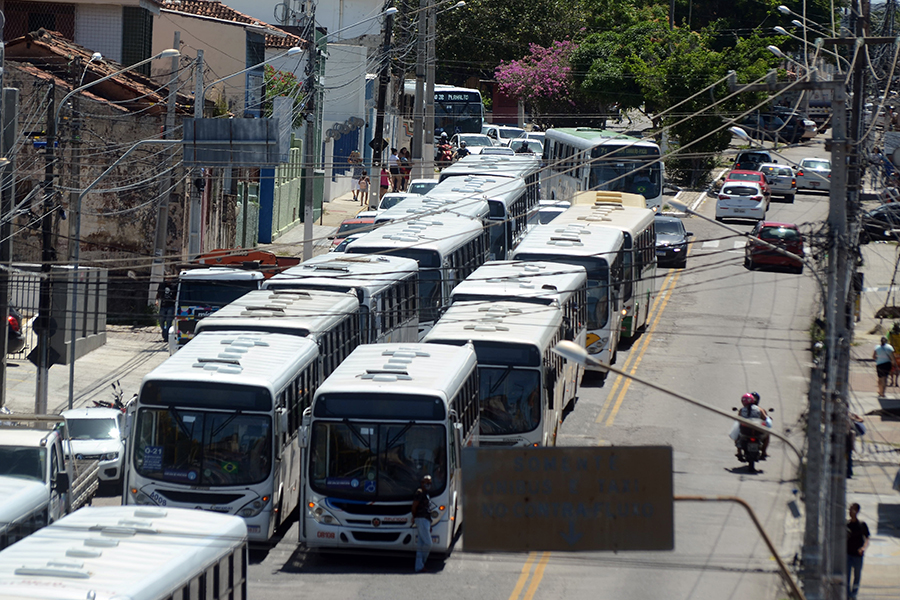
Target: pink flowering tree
[(543, 79)]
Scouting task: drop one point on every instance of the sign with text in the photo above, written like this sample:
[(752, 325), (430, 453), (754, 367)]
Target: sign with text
[(568, 499)]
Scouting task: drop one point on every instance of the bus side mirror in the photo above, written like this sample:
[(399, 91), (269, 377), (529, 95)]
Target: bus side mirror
[(303, 437), (282, 420), (61, 485)]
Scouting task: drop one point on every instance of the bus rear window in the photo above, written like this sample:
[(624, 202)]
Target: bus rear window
[(379, 406)]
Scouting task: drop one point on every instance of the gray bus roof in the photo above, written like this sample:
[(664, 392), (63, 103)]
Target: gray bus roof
[(345, 271), (522, 279), (504, 321), (518, 165)]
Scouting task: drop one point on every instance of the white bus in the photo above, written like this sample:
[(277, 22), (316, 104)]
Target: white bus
[(215, 427), (386, 287), (542, 283), (389, 415), (24, 507), (599, 250), (447, 247), (128, 552), (329, 318), (582, 158), (638, 225), (523, 385), (456, 109)]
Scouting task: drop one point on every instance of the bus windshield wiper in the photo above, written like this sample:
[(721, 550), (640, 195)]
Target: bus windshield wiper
[(178, 421), (500, 381), (402, 432), (357, 434)]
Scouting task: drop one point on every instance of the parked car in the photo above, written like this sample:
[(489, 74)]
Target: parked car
[(387, 201), (785, 236), (770, 126), (781, 180), (342, 247), (671, 241), (741, 200), (475, 142), (98, 434), (879, 224), (15, 337), (814, 174), (748, 160), (422, 186), (754, 176), (356, 225), (501, 134), (806, 125)]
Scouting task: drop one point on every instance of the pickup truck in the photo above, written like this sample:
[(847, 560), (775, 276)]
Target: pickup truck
[(38, 484)]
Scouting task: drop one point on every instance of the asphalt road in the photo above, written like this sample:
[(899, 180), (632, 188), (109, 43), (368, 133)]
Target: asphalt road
[(717, 331)]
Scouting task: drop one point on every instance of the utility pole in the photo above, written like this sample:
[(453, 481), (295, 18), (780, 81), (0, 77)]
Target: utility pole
[(157, 271), (48, 255), (8, 121), (429, 91), (309, 150), (378, 136), (194, 175), (418, 141)]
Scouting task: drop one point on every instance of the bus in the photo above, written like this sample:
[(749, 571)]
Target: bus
[(591, 197), (386, 287), (599, 250), (581, 158), (456, 109), (523, 386), (329, 318), (542, 283), (638, 225), (215, 427), (133, 552), (447, 247), (389, 415), (203, 291)]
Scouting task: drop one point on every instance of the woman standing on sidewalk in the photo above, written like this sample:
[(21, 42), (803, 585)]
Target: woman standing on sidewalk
[(884, 362)]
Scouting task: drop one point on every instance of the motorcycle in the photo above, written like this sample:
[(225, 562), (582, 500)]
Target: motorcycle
[(118, 399), (749, 441), (444, 156)]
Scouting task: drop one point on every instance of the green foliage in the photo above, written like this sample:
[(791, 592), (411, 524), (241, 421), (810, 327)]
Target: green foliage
[(281, 83)]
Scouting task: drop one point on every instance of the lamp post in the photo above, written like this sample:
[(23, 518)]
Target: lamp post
[(76, 253)]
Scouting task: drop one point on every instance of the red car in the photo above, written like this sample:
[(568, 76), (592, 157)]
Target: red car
[(755, 176), (785, 236)]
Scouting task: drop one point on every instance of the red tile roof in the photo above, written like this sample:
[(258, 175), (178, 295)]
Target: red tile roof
[(217, 10)]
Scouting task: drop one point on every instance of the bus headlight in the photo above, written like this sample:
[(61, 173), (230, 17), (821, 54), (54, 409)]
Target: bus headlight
[(321, 515), (436, 514), (253, 508), (141, 498), (597, 347)]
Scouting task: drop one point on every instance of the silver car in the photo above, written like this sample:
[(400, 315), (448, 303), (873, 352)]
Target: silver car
[(814, 174), (781, 179)]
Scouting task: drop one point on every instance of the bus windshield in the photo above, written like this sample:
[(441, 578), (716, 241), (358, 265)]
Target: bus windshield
[(458, 113), (371, 461), (27, 463), (631, 176), (213, 293), (510, 400), (203, 448)]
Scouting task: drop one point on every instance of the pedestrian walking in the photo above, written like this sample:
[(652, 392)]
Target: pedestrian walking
[(364, 189), (357, 170), (394, 166), (405, 168), (421, 511), (884, 363), (856, 427), (165, 296), (385, 181), (857, 542)]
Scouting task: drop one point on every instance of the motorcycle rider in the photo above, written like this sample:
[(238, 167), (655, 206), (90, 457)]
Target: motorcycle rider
[(462, 152), (444, 155), (750, 410), (765, 417)]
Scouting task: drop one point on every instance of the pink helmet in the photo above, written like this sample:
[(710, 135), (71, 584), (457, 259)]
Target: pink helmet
[(748, 400)]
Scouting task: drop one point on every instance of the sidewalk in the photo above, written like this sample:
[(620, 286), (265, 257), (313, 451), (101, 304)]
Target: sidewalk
[(877, 455), (290, 242)]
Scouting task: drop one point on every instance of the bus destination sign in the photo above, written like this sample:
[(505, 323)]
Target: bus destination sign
[(613, 152), (568, 499), (455, 97)]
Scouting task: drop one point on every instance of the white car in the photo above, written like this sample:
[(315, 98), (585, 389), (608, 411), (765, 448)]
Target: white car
[(98, 434), (781, 180), (475, 142), (501, 134), (421, 186), (814, 174), (741, 200)]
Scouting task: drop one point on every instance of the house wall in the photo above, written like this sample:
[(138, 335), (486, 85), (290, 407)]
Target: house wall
[(345, 98), (337, 15), (99, 27), (118, 224), (224, 46)]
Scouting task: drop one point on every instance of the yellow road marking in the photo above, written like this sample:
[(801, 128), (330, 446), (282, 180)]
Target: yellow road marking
[(632, 355), (538, 575), (645, 343), (523, 577)]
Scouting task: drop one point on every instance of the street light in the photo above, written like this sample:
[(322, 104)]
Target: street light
[(168, 53)]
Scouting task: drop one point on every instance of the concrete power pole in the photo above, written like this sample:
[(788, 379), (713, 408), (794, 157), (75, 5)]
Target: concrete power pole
[(418, 141), (9, 118), (162, 214), (378, 136), (429, 92), (309, 150), (195, 217)]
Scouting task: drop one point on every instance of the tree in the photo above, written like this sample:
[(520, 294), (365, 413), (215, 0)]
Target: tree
[(282, 83)]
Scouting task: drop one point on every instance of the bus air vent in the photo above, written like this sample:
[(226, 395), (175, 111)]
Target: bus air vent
[(53, 572), (406, 353), (83, 553), (288, 293), (101, 543)]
